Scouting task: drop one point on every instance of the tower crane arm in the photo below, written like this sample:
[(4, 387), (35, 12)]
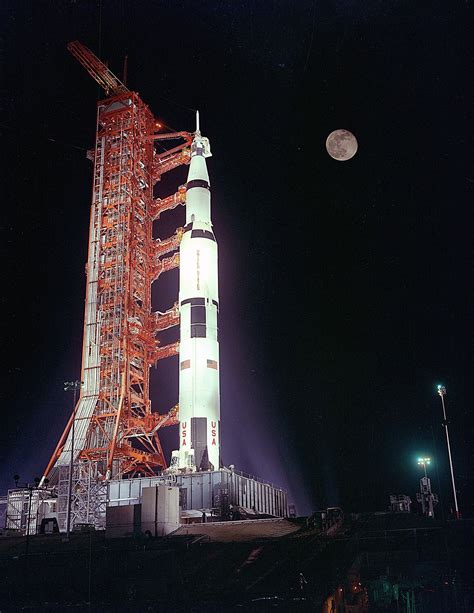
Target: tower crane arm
[(97, 69)]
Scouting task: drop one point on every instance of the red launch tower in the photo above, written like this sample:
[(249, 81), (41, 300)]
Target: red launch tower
[(113, 431)]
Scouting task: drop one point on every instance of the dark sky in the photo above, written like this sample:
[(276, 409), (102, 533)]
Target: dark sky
[(345, 286)]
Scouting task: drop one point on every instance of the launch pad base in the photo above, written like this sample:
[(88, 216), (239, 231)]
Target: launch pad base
[(218, 495), (223, 493)]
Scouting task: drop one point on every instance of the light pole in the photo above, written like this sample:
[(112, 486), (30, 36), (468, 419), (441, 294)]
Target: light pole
[(425, 495), (28, 518), (71, 386), (424, 462), (442, 393)]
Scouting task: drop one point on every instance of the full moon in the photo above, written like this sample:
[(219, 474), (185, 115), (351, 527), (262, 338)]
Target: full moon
[(341, 145)]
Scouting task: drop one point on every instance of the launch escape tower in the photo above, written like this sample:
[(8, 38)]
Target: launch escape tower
[(115, 429)]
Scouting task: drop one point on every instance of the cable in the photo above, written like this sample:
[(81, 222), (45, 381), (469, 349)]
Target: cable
[(311, 39), (188, 108)]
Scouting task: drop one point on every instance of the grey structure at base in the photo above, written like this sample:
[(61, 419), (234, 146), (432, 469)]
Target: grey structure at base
[(226, 494), (221, 490)]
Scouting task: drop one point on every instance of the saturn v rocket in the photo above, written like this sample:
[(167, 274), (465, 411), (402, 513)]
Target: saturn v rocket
[(199, 404)]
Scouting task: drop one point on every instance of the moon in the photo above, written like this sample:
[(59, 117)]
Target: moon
[(341, 145)]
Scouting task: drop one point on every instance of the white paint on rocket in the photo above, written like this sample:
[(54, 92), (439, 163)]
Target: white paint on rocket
[(199, 405)]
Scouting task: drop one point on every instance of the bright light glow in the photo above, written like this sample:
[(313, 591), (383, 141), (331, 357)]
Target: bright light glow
[(423, 461)]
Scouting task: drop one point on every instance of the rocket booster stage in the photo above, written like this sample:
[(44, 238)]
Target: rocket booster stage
[(199, 405)]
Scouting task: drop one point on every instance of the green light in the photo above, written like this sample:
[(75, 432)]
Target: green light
[(424, 461)]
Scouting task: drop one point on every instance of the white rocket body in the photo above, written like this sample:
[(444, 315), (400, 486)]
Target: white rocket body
[(199, 404)]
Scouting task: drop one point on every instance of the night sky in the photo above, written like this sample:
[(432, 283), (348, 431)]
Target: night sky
[(345, 291)]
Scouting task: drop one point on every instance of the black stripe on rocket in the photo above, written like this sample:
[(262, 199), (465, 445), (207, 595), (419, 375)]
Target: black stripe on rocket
[(197, 301), (198, 321), (198, 315), (199, 233), (198, 183)]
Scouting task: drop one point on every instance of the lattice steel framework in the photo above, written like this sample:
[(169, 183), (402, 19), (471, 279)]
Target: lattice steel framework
[(116, 431)]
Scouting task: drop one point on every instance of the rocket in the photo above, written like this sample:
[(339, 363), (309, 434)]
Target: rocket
[(199, 404)]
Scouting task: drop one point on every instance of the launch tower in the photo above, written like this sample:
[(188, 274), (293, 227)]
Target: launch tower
[(115, 431)]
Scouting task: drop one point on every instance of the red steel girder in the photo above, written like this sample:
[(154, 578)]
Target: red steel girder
[(168, 319), (97, 69), (167, 351), (167, 245), (164, 265), (123, 262), (159, 205), (168, 419), (166, 162)]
